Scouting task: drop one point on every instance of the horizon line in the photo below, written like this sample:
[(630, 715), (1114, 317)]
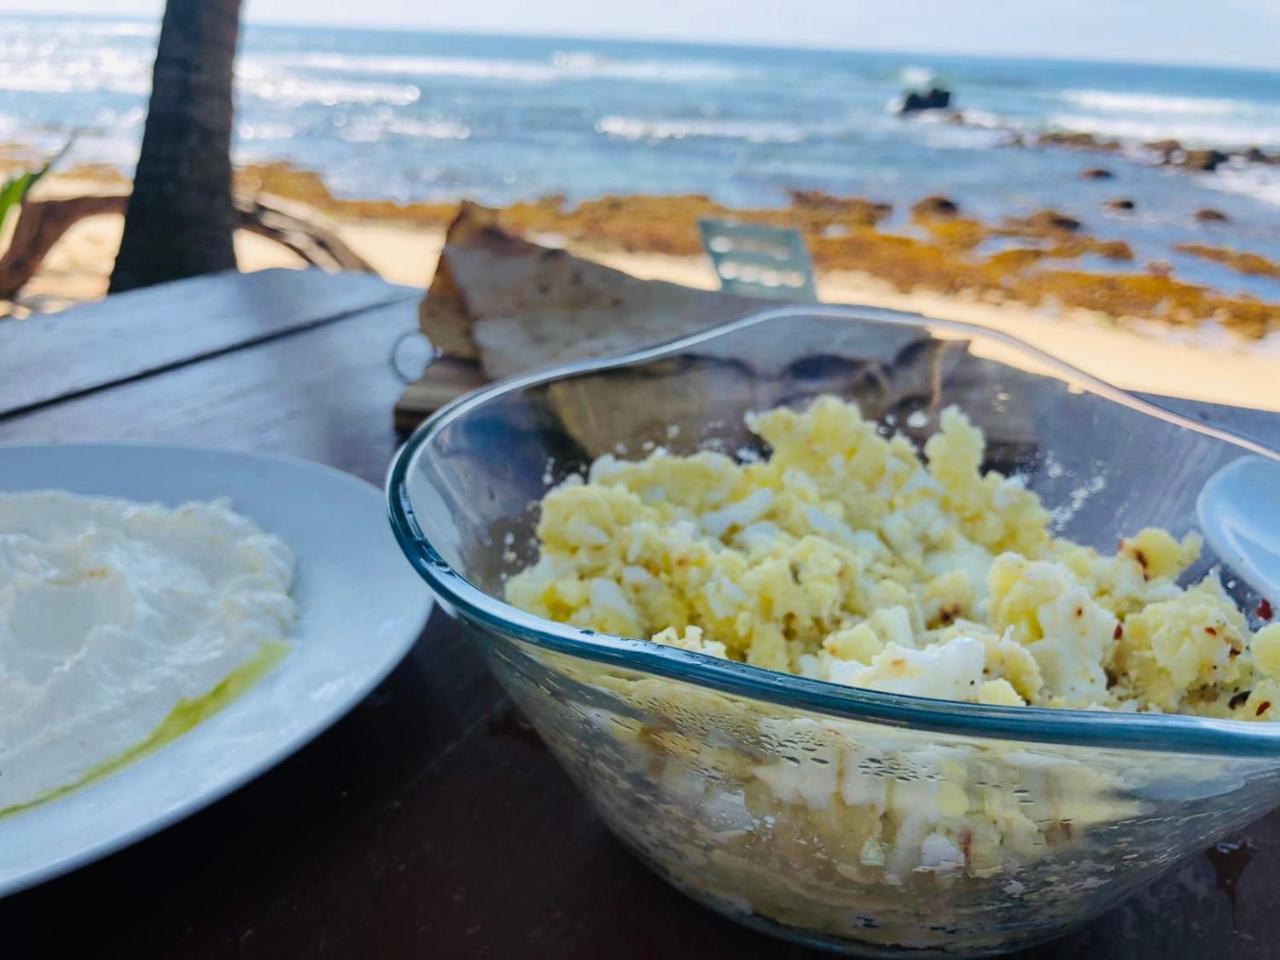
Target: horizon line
[(798, 46)]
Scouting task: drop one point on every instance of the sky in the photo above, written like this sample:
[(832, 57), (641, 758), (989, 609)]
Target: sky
[(1225, 32)]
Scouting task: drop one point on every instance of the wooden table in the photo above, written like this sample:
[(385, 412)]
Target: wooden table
[(430, 821)]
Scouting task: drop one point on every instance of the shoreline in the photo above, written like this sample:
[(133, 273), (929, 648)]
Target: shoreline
[(1200, 361)]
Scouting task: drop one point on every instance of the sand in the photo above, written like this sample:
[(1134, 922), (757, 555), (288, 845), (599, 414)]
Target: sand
[(1208, 364)]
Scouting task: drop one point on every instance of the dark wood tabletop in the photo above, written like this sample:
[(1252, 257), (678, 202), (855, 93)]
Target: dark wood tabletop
[(431, 821)]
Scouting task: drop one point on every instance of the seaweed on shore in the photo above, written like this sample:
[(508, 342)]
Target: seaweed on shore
[(1241, 261), (846, 233)]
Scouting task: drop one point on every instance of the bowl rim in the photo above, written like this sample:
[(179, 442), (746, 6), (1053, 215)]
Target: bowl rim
[(1158, 733)]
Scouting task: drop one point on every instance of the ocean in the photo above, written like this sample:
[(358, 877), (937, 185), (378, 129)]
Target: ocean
[(411, 115)]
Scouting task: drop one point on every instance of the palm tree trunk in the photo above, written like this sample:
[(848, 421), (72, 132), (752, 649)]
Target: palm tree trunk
[(180, 217)]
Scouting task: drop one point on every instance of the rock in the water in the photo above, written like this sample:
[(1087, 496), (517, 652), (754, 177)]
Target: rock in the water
[(1166, 148), (1160, 268), (1258, 155), (1210, 215), (935, 98), (935, 207), (1206, 160), (865, 212), (1121, 204), (1047, 220), (1097, 173), (1075, 140)]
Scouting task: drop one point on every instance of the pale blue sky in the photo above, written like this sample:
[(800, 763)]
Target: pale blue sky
[(1226, 32)]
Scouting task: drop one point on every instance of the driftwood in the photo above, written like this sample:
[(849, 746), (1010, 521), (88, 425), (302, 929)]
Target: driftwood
[(295, 226), (42, 223)]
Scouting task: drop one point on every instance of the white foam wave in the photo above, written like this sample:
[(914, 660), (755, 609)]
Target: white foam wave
[(371, 129), (467, 67), (53, 82), (915, 76), (1113, 102), (140, 28), (30, 67), (1188, 131), (564, 65), (975, 117), (109, 118), (589, 65), (752, 131), (950, 136), (265, 130), (429, 129), (1261, 183), (294, 91), (72, 28)]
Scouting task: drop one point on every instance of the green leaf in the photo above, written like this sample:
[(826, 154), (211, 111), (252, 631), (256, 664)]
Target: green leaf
[(14, 190)]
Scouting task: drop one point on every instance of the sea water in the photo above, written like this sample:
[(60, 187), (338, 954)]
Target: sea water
[(411, 115)]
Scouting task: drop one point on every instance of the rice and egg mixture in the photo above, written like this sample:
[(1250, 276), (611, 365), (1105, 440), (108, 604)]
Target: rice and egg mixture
[(844, 557)]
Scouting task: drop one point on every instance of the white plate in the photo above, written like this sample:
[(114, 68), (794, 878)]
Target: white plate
[(360, 608)]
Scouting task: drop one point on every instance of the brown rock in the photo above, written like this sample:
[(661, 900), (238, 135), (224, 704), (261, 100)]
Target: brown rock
[(1258, 155), (866, 212), (1097, 173), (1205, 160), (935, 207), (1160, 268), (1166, 148), (1076, 141), (1210, 215), (1114, 250), (1050, 220), (1121, 205)]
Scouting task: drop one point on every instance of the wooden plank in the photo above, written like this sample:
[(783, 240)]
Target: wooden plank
[(325, 394), (50, 357)]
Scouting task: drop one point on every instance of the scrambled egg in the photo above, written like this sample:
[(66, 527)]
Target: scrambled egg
[(846, 558), (843, 557)]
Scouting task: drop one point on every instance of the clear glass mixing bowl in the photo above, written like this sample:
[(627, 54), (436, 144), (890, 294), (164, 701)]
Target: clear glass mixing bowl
[(876, 824)]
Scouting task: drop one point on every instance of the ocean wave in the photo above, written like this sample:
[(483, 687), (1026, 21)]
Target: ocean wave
[(265, 130), (73, 28), (588, 65), (429, 129), (467, 67), (53, 81), (374, 128), (1261, 183), (1113, 102), (31, 68), (110, 118), (562, 65), (138, 28), (1189, 131), (916, 76), (297, 91), (984, 119), (941, 135), (752, 131)]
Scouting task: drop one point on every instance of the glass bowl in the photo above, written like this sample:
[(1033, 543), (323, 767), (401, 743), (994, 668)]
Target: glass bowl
[(875, 824)]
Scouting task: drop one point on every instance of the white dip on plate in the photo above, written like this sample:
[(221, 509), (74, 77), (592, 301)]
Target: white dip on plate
[(122, 624)]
